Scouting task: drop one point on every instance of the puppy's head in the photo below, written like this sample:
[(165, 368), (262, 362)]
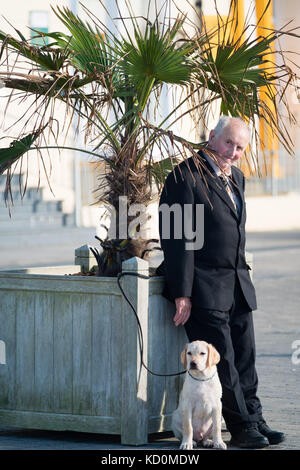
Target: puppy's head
[(199, 355)]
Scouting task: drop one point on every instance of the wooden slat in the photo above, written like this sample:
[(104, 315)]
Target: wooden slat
[(79, 284), (179, 340), (106, 356), (82, 354), (60, 422), (166, 342), (25, 357), (101, 361), (63, 354), (171, 334), (159, 423), (158, 362), (116, 357), (44, 367), (7, 334)]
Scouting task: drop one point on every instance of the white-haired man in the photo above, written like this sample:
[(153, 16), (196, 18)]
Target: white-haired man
[(211, 285)]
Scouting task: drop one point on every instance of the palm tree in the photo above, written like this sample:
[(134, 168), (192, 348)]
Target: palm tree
[(110, 82)]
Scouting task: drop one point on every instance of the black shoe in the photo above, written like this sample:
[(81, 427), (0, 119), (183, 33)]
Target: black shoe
[(249, 438), (274, 437)]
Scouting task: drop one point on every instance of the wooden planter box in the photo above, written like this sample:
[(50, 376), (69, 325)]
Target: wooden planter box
[(70, 358)]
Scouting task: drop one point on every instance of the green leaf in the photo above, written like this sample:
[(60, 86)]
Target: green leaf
[(89, 51), (155, 57), (237, 73), (45, 59), (160, 170), (17, 148)]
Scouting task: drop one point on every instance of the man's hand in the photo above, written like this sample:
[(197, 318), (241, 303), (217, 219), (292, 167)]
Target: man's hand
[(183, 310)]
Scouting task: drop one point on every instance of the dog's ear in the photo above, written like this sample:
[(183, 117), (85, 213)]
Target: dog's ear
[(213, 357), (183, 356)]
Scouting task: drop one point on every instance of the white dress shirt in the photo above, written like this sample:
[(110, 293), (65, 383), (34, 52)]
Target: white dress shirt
[(225, 176)]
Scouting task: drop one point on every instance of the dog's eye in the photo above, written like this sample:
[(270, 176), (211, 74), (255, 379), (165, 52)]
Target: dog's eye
[(202, 353), (189, 353)]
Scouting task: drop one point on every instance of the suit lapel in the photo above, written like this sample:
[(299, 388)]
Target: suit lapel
[(239, 190), (217, 186)]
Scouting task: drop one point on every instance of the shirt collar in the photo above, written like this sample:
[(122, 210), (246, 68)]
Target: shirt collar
[(215, 167)]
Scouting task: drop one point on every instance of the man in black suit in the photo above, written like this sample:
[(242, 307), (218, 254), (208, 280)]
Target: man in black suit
[(209, 279)]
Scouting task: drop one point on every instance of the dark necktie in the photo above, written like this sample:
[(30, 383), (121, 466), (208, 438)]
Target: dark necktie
[(231, 193), (225, 181)]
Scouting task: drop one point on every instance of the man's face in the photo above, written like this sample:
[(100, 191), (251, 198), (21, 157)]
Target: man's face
[(230, 145)]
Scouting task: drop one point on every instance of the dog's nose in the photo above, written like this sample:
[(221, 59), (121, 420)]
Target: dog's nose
[(193, 365)]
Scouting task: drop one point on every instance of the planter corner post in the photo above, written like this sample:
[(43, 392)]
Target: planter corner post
[(134, 411)]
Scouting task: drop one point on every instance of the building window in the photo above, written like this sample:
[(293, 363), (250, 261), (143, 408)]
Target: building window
[(38, 21)]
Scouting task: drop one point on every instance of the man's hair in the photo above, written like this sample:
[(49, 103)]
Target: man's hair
[(224, 121)]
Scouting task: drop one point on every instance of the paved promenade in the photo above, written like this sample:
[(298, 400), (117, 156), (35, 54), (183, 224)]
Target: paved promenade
[(277, 326)]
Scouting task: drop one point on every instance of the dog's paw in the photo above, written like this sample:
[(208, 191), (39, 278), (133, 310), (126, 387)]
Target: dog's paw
[(186, 445), (207, 443), (220, 445)]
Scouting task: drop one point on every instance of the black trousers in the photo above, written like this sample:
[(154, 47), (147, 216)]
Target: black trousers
[(232, 334)]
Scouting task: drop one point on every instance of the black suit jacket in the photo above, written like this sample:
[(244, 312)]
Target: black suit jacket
[(208, 274)]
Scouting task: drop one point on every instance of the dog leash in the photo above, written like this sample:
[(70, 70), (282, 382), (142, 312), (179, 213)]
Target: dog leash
[(140, 332)]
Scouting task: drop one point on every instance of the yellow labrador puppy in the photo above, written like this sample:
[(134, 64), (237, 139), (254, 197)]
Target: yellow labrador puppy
[(199, 414)]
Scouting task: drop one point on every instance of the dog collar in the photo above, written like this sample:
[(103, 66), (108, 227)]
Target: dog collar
[(202, 380)]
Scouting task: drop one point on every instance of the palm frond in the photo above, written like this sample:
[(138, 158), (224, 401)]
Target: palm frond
[(234, 73), (49, 59), (89, 51), (160, 170), (155, 57), (17, 148), (235, 70)]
